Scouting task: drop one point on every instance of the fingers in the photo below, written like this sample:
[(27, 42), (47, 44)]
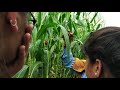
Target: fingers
[(19, 62), (27, 37), (27, 40), (22, 52), (70, 35), (29, 28)]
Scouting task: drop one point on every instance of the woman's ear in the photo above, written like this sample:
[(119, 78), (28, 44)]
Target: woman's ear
[(97, 68)]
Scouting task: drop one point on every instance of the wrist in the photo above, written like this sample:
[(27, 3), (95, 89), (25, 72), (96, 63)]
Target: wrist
[(68, 62)]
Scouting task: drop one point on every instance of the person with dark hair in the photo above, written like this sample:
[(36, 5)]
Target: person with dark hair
[(101, 49), (15, 36)]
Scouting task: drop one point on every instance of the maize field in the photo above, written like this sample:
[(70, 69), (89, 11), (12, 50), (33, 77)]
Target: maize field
[(46, 48)]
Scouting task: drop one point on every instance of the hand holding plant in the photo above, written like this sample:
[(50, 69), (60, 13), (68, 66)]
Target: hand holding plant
[(70, 35)]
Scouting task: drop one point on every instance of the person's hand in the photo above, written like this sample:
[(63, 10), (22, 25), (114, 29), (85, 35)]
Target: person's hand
[(23, 51), (70, 35), (13, 68), (68, 62)]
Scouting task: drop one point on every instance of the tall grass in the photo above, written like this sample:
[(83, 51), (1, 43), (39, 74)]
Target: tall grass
[(44, 59)]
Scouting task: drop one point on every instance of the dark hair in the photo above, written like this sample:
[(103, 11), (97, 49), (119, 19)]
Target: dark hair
[(104, 44)]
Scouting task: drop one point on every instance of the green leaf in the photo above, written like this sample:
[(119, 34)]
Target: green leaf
[(93, 17), (21, 73), (88, 25), (78, 14), (39, 19), (65, 33), (52, 49), (73, 44), (36, 65), (98, 26)]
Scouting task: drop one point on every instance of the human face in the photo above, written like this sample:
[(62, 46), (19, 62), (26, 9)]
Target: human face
[(88, 69), (11, 40), (92, 69)]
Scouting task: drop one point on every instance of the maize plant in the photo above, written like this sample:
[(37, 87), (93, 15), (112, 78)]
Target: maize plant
[(46, 48)]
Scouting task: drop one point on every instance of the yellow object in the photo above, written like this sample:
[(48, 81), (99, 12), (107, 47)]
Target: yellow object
[(79, 64)]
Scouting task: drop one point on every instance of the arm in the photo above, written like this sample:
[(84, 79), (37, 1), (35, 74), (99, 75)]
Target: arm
[(74, 63), (68, 63)]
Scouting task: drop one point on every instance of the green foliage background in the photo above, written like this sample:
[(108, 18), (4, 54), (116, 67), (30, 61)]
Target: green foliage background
[(44, 59)]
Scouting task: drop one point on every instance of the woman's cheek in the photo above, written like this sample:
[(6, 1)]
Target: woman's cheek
[(88, 69)]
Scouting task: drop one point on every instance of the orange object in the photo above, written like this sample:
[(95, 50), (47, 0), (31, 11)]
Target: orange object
[(79, 65)]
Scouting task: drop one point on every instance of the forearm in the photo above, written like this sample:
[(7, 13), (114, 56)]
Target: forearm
[(75, 64), (72, 62), (68, 61)]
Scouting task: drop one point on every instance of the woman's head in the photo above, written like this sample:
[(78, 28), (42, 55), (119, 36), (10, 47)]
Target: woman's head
[(102, 50)]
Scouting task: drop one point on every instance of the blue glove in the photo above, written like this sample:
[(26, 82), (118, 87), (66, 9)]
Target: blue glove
[(70, 62), (83, 75), (67, 63)]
